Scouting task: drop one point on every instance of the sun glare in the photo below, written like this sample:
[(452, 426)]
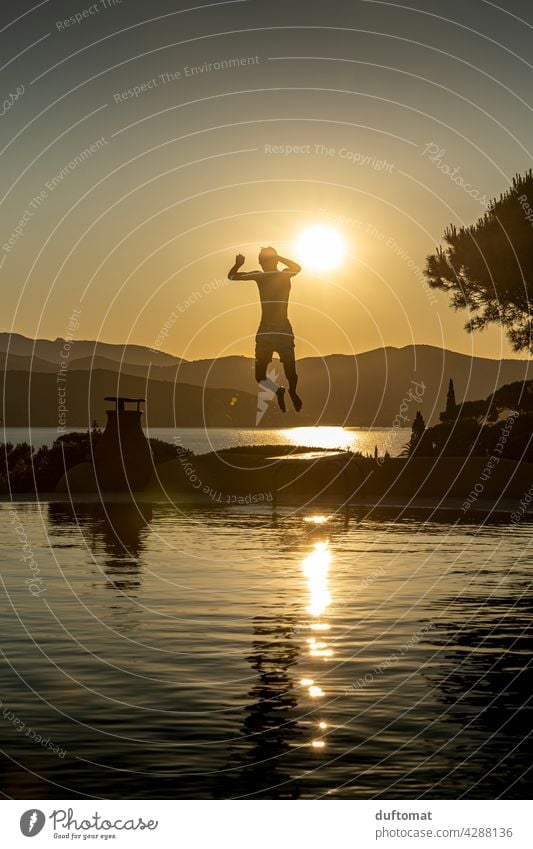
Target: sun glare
[(315, 568), (323, 436), (320, 248)]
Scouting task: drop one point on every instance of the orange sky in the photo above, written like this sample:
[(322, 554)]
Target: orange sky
[(146, 190)]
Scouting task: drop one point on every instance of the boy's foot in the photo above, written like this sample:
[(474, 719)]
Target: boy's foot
[(296, 400), (280, 395)]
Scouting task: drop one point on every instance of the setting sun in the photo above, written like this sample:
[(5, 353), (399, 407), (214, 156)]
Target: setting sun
[(320, 248)]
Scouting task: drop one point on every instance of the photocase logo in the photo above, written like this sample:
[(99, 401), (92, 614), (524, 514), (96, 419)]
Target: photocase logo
[(266, 393), (32, 822)]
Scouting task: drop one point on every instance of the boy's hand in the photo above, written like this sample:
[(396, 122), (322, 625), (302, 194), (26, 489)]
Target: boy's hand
[(239, 260)]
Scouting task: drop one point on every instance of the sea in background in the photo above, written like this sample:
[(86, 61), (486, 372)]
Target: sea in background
[(201, 440), (226, 652)]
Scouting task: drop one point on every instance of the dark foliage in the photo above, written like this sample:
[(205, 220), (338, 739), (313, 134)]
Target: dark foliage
[(22, 469), (477, 428), (273, 450), (487, 268), (163, 451), (418, 430)]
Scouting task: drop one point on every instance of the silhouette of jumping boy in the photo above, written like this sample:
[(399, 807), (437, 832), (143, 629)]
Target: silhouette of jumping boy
[(275, 332)]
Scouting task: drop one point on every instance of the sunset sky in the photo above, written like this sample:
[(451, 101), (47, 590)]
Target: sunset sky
[(386, 105)]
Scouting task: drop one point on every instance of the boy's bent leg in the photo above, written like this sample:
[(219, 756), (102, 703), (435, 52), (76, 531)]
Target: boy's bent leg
[(262, 360), (261, 373), (263, 357), (272, 388), (289, 365)]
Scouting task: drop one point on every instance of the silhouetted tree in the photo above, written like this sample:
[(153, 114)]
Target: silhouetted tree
[(96, 430), (450, 398), (451, 411), (477, 427), (515, 396), (418, 428), (16, 469), (163, 451), (487, 268), (22, 469)]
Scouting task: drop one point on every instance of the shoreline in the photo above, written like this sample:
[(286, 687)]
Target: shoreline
[(483, 507)]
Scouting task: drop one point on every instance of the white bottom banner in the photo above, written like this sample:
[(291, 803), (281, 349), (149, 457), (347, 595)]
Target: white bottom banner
[(264, 824)]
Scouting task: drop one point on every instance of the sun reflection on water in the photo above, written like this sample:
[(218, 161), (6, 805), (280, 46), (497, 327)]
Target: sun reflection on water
[(320, 437), (315, 568)]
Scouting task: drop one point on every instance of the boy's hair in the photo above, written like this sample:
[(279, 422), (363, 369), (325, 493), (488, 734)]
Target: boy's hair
[(267, 253)]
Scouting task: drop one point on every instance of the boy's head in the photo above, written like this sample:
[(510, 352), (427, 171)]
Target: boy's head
[(268, 259)]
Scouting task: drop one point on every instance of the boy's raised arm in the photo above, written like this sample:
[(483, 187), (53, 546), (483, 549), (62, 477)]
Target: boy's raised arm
[(291, 266), (235, 274)]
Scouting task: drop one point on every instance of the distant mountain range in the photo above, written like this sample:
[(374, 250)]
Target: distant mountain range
[(50, 350), (369, 389)]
